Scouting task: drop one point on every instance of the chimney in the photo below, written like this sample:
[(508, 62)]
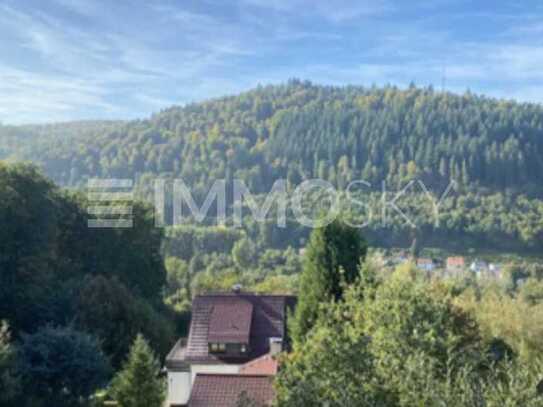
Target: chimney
[(276, 346)]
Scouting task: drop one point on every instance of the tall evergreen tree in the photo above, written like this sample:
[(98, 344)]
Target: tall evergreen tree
[(333, 258), (138, 384)]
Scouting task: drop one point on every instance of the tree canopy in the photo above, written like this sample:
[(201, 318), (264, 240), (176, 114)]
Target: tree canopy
[(138, 383), (332, 261), (491, 148)]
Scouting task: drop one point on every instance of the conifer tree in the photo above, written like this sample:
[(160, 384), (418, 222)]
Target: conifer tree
[(138, 384), (333, 258)]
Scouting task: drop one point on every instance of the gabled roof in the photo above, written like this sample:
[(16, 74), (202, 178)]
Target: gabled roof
[(457, 261), (265, 365), (230, 321), (216, 390), (268, 320)]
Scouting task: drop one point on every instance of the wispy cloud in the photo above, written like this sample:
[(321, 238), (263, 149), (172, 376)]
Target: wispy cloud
[(58, 97), (82, 59)]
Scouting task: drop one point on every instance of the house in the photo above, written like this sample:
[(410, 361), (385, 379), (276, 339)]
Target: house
[(400, 258), (425, 264), (495, 271), (479, 267), (457, 263), (232, 334)]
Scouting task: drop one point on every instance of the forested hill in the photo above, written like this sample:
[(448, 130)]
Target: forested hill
[(492, 148), (299, 130)]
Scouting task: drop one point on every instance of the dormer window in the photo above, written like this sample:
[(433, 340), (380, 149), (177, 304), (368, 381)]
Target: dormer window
[(217, 347), (228, 348), (229, 331)]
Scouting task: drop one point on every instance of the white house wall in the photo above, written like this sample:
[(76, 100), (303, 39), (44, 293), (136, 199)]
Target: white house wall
[(213, 369), (179, 386), (180, 383)]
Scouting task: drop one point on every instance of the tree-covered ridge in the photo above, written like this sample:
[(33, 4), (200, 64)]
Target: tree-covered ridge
[(299, 130)]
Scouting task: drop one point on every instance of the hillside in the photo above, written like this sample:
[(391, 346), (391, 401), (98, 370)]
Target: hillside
[(492, 148)]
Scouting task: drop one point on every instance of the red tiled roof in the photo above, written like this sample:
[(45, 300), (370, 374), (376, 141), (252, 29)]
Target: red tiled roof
[(265, 365), (230, 321), (215, 390), (269, 314), (455, 262)]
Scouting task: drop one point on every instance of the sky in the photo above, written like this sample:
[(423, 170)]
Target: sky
[(64, 60)]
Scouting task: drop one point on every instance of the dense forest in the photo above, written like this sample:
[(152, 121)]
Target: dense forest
[(492, 149), (74, 297), (84, 309)]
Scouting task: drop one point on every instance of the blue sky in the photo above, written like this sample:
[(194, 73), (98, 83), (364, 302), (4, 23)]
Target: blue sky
[(121, 59)]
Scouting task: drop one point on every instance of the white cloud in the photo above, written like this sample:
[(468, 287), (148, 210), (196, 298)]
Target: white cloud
[(117, 64), (35, 97)]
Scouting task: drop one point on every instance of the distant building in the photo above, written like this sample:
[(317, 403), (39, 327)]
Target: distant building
[(494, 267), (495, 271), (400, 258), (479, 267), (425, 264), (457, 263)]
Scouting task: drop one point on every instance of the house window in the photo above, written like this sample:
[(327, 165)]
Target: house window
[(217, 347), (228, 348)]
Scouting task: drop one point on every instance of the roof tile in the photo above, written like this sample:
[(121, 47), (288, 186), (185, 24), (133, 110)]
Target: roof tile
[(230, 321), (215, 390), (265, 365)]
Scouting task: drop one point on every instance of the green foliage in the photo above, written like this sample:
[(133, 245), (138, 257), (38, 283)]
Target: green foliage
[(298, 130), (56, 271), (332, 260), (29, 217), (138, 383), (186, 241), (9, 379), (178, 284), (409, 319), (384, 133), (108, 310), (531, 292), (515, 319), (332, 366), (243, 253), (400, 341), (61, 366), (203, 259)]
